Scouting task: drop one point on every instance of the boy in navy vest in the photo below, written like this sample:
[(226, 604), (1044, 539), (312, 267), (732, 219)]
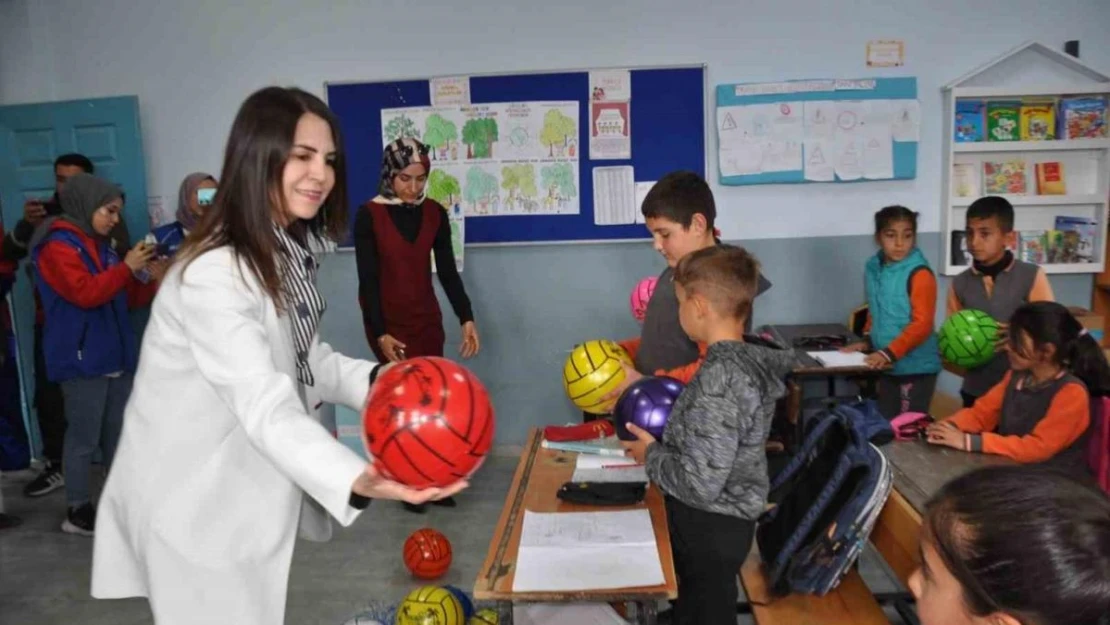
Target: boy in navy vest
[(996, 283), (88, 342)]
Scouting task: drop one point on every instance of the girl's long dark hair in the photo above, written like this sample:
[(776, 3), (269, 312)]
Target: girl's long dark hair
[(1049, 323), (249, 194), (1025, 541)]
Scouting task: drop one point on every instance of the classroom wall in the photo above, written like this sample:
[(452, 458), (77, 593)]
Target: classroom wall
[(191, 64)]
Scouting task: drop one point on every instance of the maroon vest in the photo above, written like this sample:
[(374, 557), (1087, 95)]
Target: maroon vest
[(409, 303)]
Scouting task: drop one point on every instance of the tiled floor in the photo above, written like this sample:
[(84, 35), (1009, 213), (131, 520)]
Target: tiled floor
[(44, 573)]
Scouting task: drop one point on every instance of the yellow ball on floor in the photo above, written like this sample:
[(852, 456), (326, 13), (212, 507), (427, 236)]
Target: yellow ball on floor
[(430, 605), (592, 371)]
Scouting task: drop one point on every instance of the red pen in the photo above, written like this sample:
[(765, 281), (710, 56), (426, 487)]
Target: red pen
[(620, 466)]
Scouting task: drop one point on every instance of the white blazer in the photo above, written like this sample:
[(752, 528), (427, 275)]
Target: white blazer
[(200, 510)]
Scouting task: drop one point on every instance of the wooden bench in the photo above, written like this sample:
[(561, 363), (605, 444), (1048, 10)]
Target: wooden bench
[(850, 603)]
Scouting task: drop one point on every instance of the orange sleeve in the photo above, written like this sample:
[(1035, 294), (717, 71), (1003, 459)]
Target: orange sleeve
[(1067, 418), (631, 346), (63, 269), (923, 305), (983, 416), (686, 373), (1041, 290), (952, 305)]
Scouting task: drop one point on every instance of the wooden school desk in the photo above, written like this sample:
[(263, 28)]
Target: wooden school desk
[(539, 474), (920, 469), (807, 368)]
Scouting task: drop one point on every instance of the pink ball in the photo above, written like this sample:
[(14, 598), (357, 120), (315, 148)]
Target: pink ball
[(641, 294)]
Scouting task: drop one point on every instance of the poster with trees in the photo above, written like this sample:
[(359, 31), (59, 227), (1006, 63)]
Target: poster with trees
[(516, 158)]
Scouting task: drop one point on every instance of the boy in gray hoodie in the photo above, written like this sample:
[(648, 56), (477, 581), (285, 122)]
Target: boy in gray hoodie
[(711, 464)]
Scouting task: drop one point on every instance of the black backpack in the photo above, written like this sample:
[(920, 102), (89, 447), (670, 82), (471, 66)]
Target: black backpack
[(824, 503)]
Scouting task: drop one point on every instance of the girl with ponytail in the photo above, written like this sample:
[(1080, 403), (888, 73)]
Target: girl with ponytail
[(1039, 412)]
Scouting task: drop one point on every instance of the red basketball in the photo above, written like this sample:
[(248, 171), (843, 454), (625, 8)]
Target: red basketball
[(428, 422), (427, 553)]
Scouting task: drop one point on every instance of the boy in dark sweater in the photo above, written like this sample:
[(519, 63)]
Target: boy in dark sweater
[(679, 211), (711, 465)]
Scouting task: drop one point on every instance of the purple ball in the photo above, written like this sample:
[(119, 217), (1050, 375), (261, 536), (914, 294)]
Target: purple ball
[(647, 403)]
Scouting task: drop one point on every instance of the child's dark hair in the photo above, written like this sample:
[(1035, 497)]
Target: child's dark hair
[(74, 159), (891, 215), (678, 196), (726, 275), (1050, 323), (1025, 541), (993, 206)]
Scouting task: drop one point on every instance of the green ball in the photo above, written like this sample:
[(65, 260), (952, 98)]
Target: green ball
[(967, 338)]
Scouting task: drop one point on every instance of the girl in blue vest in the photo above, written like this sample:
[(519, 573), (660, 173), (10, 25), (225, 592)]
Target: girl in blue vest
[(901, 301), (88, 342), (196, 193)]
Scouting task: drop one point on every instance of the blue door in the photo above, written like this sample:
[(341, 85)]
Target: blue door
[(107, 131)]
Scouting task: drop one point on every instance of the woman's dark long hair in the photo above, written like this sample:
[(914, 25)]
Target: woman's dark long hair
[(1050, 323), (250, 190), (1025, 541)]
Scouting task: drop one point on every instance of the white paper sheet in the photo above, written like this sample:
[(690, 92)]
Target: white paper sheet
[(840, 359), (566, 614), (590, 468), (848, 162), (906, 120), (819, 118), (587, 551), (614, 196), (642, 189), (878, 153), (818, 160), (450, 90)]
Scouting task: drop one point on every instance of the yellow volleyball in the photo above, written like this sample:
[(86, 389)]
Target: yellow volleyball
[(430, 605), (592, 371)]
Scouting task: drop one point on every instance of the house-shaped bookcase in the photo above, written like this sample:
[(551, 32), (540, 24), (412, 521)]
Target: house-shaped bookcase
[(1030, 126)]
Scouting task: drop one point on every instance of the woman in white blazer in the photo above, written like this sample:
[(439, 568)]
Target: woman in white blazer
[(221, 435)]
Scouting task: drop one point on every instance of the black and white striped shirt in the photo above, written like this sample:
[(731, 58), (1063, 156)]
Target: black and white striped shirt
[(304, 304)]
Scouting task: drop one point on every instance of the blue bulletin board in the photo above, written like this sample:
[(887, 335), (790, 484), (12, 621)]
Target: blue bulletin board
[(667, 132), (821, 130)]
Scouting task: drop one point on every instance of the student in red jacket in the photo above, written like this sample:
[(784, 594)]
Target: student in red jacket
[(88, 342), (1040, 411)]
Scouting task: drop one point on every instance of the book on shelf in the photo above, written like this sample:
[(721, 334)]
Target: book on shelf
[(965, 180), (1031, 246), (1004, 177), (1083, 117), (1050, 178), (1003, 120), (1038, 120), (969, 120), (1077, 239), (960, 256)]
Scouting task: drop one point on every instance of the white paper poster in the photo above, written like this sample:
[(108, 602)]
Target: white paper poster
[(642, 189), (450, 90), (517, 158), (614, 196), (760, 138), (610, 115)]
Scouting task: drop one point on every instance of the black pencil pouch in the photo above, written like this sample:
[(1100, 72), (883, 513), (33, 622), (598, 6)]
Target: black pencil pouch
[(603, 493)]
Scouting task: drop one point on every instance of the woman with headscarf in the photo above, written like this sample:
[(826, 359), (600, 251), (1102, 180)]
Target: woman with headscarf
[(88, 341), (395, 236), (196, 193)]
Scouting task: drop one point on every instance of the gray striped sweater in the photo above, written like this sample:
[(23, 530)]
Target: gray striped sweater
[(713, 455)]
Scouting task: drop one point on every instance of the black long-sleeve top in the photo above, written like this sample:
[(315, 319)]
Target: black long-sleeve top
[(407, 220)]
